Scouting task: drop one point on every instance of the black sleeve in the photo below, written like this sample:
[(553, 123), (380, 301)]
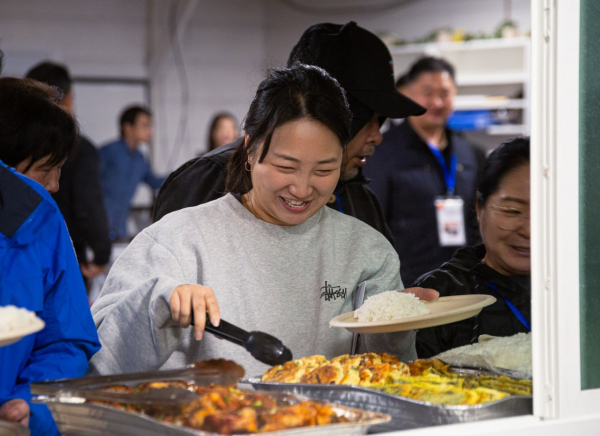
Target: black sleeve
[(431, 341), (198, 181), (87, 202)]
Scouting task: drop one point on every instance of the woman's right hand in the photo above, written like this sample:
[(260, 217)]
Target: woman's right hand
[(15, 410), (196, 298)]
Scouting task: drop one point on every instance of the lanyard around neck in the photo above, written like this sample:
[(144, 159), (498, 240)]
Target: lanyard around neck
[(511, 306), (449, 171)]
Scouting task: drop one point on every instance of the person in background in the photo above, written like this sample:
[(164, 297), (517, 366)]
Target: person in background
[(342, 51), (38, 267), (80, 197), (123, 167), (500, 267), (425, 175), (223, 130), (264, 255)]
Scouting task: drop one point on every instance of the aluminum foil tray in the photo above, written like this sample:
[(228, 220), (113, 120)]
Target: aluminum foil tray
[(76, 417), (406, 413)]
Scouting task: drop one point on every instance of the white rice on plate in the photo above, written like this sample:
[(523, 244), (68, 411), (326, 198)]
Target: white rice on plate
[(13, 318), (390, 305)]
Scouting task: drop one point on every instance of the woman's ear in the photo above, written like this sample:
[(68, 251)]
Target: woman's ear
[(478, 210), (246, 140)]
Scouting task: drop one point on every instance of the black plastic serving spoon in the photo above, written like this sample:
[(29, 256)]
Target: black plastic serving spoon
[(263, 347)]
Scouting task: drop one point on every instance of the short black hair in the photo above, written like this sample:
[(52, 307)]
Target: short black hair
[(401, 81), (52, 74), (33, 124), (1, 60), (504, 159), (130, 115), (429, 64), (288, 94)]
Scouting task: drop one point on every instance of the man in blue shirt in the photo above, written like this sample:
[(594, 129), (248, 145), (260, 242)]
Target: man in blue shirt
[(123, 167)]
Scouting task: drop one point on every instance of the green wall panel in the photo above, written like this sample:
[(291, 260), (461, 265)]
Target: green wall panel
[(589, 201)]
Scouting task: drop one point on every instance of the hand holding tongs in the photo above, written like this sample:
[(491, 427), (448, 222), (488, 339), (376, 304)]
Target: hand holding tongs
[(263, 347)]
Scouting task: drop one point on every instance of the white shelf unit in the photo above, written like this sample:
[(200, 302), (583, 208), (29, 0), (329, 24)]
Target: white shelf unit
[(490, 74)]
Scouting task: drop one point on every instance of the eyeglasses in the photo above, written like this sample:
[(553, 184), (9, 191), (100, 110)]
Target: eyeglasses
[(509, 218)]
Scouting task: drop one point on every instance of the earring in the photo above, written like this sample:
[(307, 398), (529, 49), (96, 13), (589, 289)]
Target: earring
[(247, 165)]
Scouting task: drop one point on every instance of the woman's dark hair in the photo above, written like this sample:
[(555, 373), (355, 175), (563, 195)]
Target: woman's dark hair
[(506, 158), (288, 94), (130, 115), (33, 124), (213, 126)]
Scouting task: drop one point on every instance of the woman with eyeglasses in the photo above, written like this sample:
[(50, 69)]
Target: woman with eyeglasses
[(501, 266)]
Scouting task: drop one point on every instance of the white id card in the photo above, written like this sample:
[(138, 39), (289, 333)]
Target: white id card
[(450, 221)]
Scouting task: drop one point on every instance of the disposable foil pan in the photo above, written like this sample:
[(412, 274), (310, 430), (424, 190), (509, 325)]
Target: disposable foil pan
[(406, 413), (13, 429), (74, 416)]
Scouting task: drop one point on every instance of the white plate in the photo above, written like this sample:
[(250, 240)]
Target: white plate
[(444, 310), (7, 338)]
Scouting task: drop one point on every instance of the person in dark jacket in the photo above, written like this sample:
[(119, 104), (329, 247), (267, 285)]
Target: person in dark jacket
[(80, 197), (499, 267), (421, 161), (342, 51), (38, 268)]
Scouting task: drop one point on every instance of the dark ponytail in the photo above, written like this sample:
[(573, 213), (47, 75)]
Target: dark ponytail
[(288, 94)]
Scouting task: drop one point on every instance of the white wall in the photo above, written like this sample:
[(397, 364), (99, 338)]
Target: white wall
[(225, 46), (223, 52), (411, 20), (94, 38)]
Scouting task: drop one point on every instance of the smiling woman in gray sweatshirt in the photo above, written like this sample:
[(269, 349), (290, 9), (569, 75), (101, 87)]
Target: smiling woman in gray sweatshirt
[(272, 255)]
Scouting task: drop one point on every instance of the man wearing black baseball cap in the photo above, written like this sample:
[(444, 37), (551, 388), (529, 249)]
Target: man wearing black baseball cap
[(362, 64)]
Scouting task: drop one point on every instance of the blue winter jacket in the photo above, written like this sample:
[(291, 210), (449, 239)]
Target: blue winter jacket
[(39, 272)]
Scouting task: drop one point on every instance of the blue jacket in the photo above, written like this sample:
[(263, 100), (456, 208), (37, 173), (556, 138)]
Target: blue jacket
[(39, 272), (121, 171)]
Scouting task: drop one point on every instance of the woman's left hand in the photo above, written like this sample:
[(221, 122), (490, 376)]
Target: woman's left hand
[(425, 294)]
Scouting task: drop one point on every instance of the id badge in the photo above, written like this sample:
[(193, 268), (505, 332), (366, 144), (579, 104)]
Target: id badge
[(450, 221)]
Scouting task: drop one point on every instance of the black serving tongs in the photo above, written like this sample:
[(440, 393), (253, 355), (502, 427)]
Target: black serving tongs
[(263, 347)]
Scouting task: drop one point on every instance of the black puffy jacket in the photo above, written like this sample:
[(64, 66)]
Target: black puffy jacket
[(202, 179), (465, 274)]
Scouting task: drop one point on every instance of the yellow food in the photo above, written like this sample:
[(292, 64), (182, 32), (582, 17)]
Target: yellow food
[(431, 381)]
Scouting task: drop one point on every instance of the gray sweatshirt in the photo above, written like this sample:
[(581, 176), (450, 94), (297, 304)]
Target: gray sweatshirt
[(285, 281)]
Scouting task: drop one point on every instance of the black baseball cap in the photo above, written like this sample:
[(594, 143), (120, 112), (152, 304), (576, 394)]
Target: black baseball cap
[(360, 62)]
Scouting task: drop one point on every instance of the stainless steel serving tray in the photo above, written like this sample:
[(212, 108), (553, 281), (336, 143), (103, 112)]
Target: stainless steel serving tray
[(219, 372), (12, 429), (406, 413), (74, 416)]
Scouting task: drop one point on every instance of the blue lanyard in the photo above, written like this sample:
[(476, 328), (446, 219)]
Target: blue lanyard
[(339, 202), (511, 306), (449, 171)]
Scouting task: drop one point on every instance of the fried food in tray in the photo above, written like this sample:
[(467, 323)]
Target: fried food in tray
[(227, 410), (431, 381), (358, 370)]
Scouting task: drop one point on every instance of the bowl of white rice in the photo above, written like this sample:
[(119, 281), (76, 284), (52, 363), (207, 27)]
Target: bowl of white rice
[(390, 305), (16, 323)]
